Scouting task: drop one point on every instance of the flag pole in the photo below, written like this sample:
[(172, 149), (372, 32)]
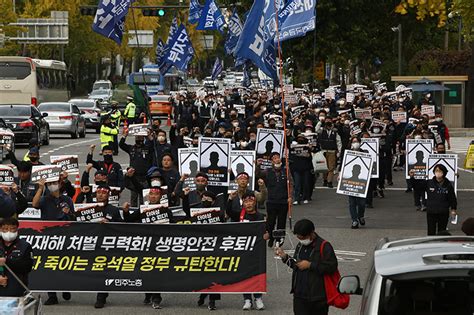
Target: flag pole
[(288, 184)]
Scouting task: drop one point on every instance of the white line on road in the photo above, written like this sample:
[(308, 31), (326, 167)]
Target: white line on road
[(67, 146)]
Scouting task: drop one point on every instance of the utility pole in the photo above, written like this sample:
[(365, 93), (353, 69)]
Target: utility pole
[(399, 30)]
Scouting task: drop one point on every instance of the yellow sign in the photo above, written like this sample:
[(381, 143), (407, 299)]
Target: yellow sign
[(469, 161), (319, 71)]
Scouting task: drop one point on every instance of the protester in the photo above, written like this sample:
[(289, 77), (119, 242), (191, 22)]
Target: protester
[(309, 266), (17, 254), (356, 204), (113, 169)]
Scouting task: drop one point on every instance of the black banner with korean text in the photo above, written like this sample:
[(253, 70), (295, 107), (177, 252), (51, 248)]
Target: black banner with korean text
[(124, 257)]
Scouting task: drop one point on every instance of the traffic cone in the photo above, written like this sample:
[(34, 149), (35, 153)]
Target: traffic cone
[(168, 122), (144, 120), (125, 123), (77, 186)]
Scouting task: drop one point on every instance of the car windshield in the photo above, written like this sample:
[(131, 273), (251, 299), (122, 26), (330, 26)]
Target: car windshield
[(82, 103), (101, 86), (441, 295), (100, 92), (54, 107), (15, 110)]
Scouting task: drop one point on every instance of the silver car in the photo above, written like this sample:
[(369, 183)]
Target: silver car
[(102, 95), (428, 275), (64, 118), (92, 109)]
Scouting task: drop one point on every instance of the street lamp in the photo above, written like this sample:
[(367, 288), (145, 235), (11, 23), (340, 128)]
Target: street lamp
[(452, 15), (399, 30)]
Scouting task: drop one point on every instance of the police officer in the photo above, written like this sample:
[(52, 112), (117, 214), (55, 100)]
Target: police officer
[(108, 132), (18, 255), (141, 159), (130, 111), (115, 116)]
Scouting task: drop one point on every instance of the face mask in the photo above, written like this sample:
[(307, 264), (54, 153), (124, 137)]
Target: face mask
[(9, 236), (322, 118), (347, 122), (376, 130), (306, 242), (100, 182), (34, 158), (53, 188), (253, 139), (108, 158), (155, 183), (439, 174), (308, 132), (355, 145), (276, 106), (277, 165), (206, 203), (235, 124), (161, 138), (439, 119), (418, 137), (244, 144), (200, 187)]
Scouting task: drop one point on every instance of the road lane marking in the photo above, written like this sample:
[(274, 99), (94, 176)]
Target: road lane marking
[(67, 146)]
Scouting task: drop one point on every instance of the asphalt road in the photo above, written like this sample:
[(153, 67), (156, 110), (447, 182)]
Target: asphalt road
[(393, 217)]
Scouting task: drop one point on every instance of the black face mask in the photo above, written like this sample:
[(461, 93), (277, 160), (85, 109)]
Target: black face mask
[(206, 203), (100, 182), (34, 158), (139, 142), (108, 158)]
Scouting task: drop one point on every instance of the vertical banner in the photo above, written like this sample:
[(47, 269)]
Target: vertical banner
[(448, 160), (242, 161), (188, 160), (268, 141), (128, 257), (371, 145), (355, 174), (418, 151), (214, 160)]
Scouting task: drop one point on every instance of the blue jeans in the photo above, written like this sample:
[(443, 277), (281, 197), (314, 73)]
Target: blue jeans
[(302, 185), (356, 207)]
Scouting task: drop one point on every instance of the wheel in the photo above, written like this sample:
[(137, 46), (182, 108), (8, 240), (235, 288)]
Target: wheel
[(75, 134), (83, 133), (46, 140)]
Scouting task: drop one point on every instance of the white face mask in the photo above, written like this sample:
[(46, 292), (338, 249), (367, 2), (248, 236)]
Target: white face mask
[(235, 124), (155, 183), (355, 145), (161, 138), (9, 236), (243, 144), (53, 188), (439, 119), (306, 242), (347, 122), (376, 130), (322, 118), (278, 165)]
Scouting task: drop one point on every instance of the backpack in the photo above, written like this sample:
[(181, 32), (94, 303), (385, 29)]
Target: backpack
[(334, 298)]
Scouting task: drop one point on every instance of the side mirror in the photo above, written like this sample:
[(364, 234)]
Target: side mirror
[(349, 285), (44, 114)]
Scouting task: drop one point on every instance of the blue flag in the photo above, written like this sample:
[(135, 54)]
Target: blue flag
[(195, 11), (233, 34), (257, 42), (217, 69), (211, 18), (163, 65), (109, 20), (181, 51), (297, 18)]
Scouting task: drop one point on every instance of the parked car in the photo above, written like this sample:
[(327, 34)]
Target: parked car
[(102, 84), (428, 275), (160, 105), (91, 109), (64, 118), (5, 130), (102, 95), (27, 122)]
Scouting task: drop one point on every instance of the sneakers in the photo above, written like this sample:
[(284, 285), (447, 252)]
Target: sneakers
[(330, 185), (212, 306), (201, 301), (296, 203), (355, 225), (147, 299), (259, 304), (247, 305), (423, 208), (66, 296), (362, 221), (156, 305), (418, 208), (52, 300), (305, 202)]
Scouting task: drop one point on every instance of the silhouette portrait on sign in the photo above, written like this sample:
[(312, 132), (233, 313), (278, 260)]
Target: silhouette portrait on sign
[(355, 173), (268, 148), (419, 164), (193, 168), (214, 168)]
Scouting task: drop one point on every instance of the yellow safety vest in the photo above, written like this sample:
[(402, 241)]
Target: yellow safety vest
[(107, 135), (130, 110), (115, 117)]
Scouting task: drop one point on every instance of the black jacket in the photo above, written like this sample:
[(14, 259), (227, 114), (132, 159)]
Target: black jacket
[(141, 157), (277, 186), (19, 257), (440, 196), (114, 171), (319, 267)]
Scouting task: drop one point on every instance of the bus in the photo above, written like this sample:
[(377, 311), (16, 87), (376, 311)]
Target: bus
[(155, 83), (24, 80)]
